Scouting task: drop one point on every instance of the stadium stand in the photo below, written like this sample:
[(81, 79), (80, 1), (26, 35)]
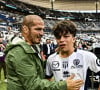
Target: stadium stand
[(65, 4)]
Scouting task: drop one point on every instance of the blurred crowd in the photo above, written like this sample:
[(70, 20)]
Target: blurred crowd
[(48, 46)]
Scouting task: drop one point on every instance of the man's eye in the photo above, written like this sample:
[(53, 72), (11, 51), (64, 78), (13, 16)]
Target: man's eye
[(38, 29)]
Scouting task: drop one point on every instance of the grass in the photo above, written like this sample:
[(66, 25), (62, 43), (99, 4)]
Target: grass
[(2, 84)]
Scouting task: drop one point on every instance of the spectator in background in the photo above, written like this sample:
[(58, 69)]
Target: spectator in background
[(69, 60), (42, 53), (24, 64), (2, 58), (48, 48), (84, 45)]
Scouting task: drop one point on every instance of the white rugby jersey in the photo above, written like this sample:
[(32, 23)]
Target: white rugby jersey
[(78, 63)]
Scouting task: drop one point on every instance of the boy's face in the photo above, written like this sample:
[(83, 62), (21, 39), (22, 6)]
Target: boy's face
[(66, 42)]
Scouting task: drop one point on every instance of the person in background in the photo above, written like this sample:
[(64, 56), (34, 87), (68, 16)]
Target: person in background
[(42, 53), (24, 64), (69, 60), (48, 48)]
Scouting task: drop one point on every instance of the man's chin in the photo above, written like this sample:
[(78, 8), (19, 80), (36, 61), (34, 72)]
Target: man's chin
[(38, 42)]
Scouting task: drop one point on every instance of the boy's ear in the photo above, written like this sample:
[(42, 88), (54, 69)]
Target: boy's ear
[(74, 39)]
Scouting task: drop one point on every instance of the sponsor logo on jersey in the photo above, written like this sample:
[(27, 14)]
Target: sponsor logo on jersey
[(55, 64), (66, 74), (56, 69), (98, 61)]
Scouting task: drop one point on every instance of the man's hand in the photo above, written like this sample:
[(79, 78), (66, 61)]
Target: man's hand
[(73, 84)]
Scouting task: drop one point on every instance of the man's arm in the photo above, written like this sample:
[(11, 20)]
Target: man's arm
[(29, 75)]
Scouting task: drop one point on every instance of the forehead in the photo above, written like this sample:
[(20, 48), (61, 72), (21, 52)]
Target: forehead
[(32, 20), (38, 22), (63, 33)]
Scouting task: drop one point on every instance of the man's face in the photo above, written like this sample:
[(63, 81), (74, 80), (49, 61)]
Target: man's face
[(48, 41), (35, 32), (65, 42)]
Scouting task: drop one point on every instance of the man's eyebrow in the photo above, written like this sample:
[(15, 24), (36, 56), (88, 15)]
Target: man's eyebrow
[(38, 28)]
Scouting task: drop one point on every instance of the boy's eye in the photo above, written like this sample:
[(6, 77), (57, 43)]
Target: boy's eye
[(66, 36), (58, 37)]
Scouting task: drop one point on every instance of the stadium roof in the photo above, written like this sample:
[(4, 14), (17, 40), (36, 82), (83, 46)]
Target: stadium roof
[(66, 4)]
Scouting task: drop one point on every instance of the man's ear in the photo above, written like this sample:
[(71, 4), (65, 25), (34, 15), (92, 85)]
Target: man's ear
[(25, 29)]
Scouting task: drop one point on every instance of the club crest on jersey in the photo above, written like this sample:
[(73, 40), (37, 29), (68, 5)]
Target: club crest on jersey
[(98, 61), (76, 64)]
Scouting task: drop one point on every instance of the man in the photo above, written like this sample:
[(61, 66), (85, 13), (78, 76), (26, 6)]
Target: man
[(69, 60), (48, 48), (24, 64)]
